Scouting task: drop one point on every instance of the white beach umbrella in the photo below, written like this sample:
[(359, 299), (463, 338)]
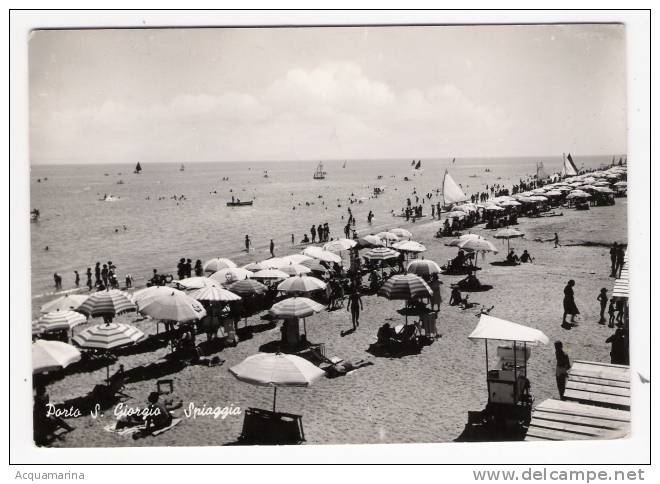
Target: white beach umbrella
[(176, 306), (295, 307), (409, 246), (296, 258), (463, 238), (148, 294), (339, 245), (508, 234), (52, 355), (301, 284), (295, 269), (322, 255), (194, 283), (214, 265), (231, 274), (255, 266), (400, 232), (270, 274), (370, 241), (387, 236), (274, 262), (478, 245), (69, 302), (454, 214)]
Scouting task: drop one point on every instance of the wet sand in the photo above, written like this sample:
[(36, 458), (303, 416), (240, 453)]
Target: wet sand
[(418, 398)]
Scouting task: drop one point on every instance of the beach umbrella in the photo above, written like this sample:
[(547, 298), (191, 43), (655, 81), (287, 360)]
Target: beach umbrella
[(553, 193), (405, 287), (214, 293), (339, 245), (381, 253), (276, 370), (295, 307), (314, 265), (603, 189), (510, 203), (107, 303), (463, 238), (274, 263), (538, 198), (255, 266), (508, 234), (148, 294), (400, 232), (423, 267), (493, 208), (621, 184), (301, 284), (454, 214), (387, 237), (58, 320), (580, 194), (194, 283), (478, 245), (322, 255), (369, 241), (295, 269), (296, 258), (270, 274), (409, 246), (176, 306), (52, 355), (247, 287), (214, 265), (231, 274), (108, 336), (69, 302)]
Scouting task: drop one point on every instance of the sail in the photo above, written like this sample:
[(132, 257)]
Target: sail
[(319, 174), (138, 168), (418, 165), (569, 167), (540, 171), (451, 192)]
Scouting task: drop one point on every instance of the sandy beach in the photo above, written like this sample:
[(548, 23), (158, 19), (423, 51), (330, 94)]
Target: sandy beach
[(417, 398)]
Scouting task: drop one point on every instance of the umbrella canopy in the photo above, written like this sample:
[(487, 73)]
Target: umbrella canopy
[(176, 306), (621, 184), (148, 294), (295, 307), (604, 189), (370, 241), (381, 253), (510, 203), (322, 255), (409, 246), (270, 274), (508, 234), (214, 293), (423, 267), (314, 265), (247, 287), (58, 320), (301, 284), (276, 370), (454, 214), (69, 302), (493, 208), (405, 287), (463, 238), (214, 265), (295, 269), (274, 263), (578, 194), (194, 283), (481, 245), (52, 355), (231, 274), (553, 193), (400, 232), (107, 303), (255, 266), (296, 258), (108, 336), (388, 236), (490, 327), (339, 245)]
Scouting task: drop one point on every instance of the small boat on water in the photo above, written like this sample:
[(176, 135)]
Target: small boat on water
[(238, 203), (109, 198), (120, 182), (182, 168), (319, 174), (451, 192), (344, 165), (265, 173), (138, 168)]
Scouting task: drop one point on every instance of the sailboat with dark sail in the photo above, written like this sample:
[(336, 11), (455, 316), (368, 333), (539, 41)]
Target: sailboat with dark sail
[(569, 168), (418, 165), (319, 174), (138, 168)]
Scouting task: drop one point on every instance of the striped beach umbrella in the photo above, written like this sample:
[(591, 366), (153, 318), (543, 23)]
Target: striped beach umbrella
[(214, 265), (231, 274), (52, 355), (381, 253), (59, 320), (108, 336), (405, 287), (295, 307), (301, 284), (175, 306), (70, 302), (276, 370), (247, 287), (423, 267), (107, 303), (409, 246), (214, 293)]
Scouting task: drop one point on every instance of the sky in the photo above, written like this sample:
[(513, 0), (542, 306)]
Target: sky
[(185, 95)]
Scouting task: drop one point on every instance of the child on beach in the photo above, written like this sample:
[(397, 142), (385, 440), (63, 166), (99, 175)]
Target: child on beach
[(602, 298)]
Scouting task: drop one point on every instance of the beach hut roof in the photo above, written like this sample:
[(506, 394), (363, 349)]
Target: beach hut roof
[(490, 327)]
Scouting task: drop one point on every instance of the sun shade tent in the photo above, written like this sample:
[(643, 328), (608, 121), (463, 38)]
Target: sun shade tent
[(490, 327)]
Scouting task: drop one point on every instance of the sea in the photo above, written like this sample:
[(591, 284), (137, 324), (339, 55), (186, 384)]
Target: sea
[(154, 218)]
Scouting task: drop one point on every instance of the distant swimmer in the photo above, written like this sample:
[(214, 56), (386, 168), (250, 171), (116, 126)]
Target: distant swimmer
[(247, 243), (46, 248)]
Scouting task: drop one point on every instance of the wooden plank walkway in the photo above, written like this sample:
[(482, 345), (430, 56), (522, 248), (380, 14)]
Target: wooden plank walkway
[(597, 405)]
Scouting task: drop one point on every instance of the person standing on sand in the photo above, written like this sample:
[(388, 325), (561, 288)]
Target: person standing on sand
[(569, 306), (77, 280), (563, 365), (354, 305), (436, 298), (613, 252), (89, 278), (58, 281), (602, 298), (556, 240), (272, 248), (97, 273), (313, 232), (620, 256)]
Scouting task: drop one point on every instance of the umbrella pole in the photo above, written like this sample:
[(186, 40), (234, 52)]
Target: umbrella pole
[(274, 398)]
